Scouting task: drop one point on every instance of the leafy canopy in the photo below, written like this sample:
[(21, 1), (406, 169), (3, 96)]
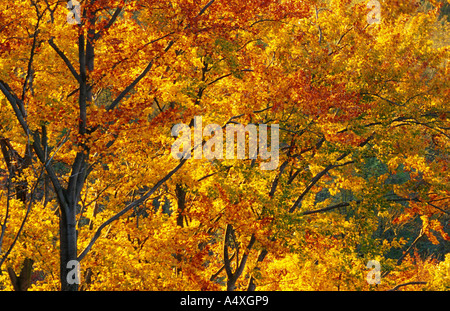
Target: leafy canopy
[(363, 111)]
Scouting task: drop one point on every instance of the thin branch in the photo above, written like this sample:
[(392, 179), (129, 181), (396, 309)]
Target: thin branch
[(130, 86), (345, 204), (412, 121), (399, 261), (219, 78), (30, 61), (157, 104), (329, 208), (277, 178), (385, 99), (421, 234), (137, 80), (215, 275), (437, 207), (320, 29), (313, 181), (226, 258), (262, 110), (7, 212), (33, 48), (65, 59), (406, 284), (343, 35)]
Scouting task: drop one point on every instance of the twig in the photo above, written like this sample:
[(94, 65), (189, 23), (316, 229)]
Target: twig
[(137, 202), (406, 284)]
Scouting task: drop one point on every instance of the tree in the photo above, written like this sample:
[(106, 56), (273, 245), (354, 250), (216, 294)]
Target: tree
[(93, 106)]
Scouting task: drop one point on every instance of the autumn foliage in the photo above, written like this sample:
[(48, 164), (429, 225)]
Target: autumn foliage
[(86, 112)]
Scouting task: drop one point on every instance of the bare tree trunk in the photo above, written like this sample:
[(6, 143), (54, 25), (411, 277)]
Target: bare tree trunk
[(68, 248), (23, 281), (230, 242)]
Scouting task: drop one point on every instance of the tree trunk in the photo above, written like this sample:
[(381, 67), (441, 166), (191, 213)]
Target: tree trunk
[(68, 247), (251, 283)]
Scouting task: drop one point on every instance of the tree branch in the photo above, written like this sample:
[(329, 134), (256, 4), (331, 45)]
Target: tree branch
[(385, 99), (130, 86), (133, 204), (30, 61), (205, 8), (319, 175), (406, 284), (226, 257), (110, 22), (19, 111), (345, 204)]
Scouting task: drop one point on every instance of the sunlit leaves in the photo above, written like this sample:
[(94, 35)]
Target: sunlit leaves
[(363, 116)]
